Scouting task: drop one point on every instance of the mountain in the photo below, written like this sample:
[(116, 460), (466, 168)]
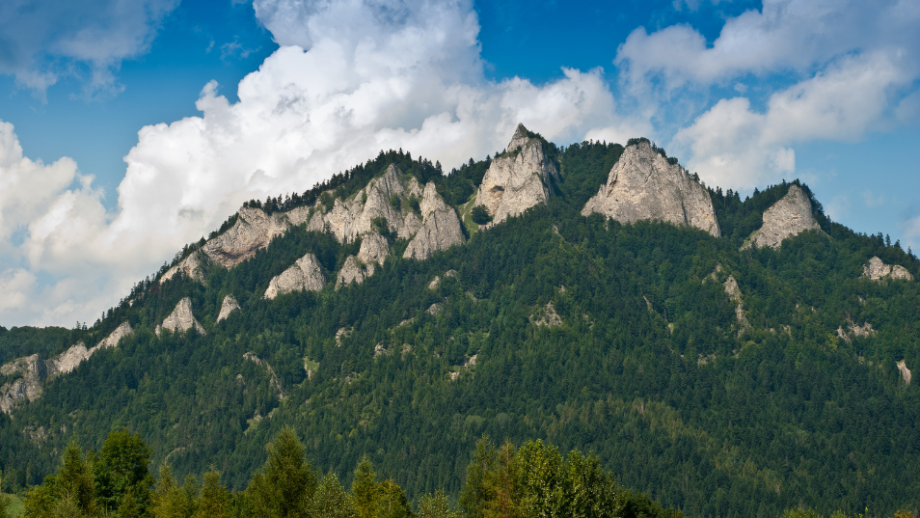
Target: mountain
[(727, 357)]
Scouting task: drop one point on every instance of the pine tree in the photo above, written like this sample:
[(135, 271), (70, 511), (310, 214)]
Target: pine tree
[(215, 499), (331, 500), (285, 486), (76, 481)]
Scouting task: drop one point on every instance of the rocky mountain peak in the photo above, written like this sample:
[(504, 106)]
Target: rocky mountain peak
[(643, 185), (788, 217), (517, 180), (521, 136), (181, 319), (440, 227), (229, 305), (304, 275)]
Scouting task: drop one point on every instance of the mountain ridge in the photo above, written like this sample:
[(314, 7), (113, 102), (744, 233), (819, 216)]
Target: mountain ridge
[(592, 271)]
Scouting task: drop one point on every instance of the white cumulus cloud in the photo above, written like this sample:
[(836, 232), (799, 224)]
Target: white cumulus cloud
[(351, 77), (736, 146)]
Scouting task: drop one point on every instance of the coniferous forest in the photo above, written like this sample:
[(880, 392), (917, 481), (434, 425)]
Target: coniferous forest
[(456, 385)]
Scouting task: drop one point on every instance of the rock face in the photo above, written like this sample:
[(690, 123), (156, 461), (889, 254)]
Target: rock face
[(374, 249), (878, 270), (642, 185), (905, 372), (114, 337), (519, 181), (304, 275), (34, 371), (228, 306), (181, 319), (190, 267), (863, 331), (253, 230), (440, 228), (28, 387), (353, 217), (788, 217), (352, 271), (734, 293)]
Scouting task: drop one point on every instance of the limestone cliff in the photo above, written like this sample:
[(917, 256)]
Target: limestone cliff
[(253, 230), (440, 227), (352, 271), (788, 217), (877, 270), (519, 181), (374, 249), (190, 267), (114, 337), (34, 372), (228, 306), (181, 319), (353, 217), (643, 185), (304, 275), (734, 293)]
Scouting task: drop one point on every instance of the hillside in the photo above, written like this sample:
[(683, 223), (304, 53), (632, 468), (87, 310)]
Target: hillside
[(727, 357)]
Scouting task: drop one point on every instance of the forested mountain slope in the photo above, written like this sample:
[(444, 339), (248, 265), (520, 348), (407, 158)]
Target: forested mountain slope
[(721, 381)]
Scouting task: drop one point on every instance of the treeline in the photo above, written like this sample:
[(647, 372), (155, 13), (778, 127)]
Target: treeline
[(534, 480)]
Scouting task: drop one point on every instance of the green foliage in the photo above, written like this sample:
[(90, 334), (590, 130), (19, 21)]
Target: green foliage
[(121, 469), (480, 215), (395, 202), (285, 485)]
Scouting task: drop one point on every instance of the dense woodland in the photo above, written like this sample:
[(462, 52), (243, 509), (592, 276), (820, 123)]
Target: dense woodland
[(647, 370)]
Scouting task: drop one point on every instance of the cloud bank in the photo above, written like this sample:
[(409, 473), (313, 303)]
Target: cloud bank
[(351, 77)]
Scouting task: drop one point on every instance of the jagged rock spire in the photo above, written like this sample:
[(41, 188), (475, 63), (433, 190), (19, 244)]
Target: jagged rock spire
[(643, 185)]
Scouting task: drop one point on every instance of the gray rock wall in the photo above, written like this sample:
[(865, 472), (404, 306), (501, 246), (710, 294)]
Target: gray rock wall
[(304, 275), (181, 319), (642, 185), (517, 182), (877, 270), (229, 305), (788, 217), (440, 227)]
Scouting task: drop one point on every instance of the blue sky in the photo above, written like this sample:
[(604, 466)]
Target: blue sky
[(129, 132)]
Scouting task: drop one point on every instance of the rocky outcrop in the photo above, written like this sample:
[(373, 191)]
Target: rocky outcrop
[(190, 267), (114, 337), (353, 272), (228, 306), (519, 181), (440, 227), (28, 387), (547, 316), (33, 371), (863, 331), (253, 230), (433, 285), (374, 249), (905, 372), (788, 217), (877, 270), (643, 185), (734, 293), (353, 217), (181, 319), (304, 275)]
